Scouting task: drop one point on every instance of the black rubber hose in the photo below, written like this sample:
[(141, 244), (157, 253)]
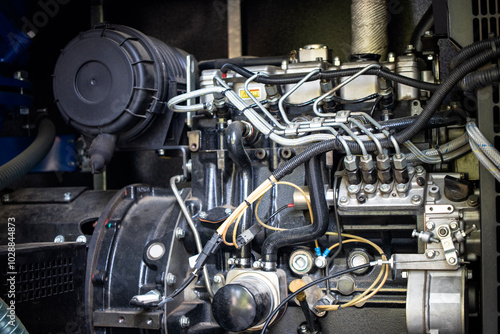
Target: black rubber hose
[(31, 156), (236, 150), (439, 119), (425, 24), (433, 104), (306, 233), (241, 61), (473, 49), (291, 79), (480, 79)]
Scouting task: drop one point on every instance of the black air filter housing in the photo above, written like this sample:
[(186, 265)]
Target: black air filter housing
[(116, 80)]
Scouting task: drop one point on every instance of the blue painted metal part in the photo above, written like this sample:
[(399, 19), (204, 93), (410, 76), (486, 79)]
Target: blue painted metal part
[(61, 158), (13, 42)]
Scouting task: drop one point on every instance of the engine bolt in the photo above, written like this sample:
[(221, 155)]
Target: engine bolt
[(369, 188), (81, 238), (320, 262), (184, 322), (443, 231), (452, 260), (67, 197), (231, 261), (402, 188), (202, 215), (336, 61), (171, 279), (411, 170), (352, 188), (217, 279), (453, 225), (385, 188), (344, 200), (228, 211), (430, 253), (180, 233), (415, 199), (420, 170), (59, 238), (430, 226)]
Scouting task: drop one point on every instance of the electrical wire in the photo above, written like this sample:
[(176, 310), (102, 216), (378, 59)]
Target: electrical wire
[(382, 276), (272, 227), (305, 287)]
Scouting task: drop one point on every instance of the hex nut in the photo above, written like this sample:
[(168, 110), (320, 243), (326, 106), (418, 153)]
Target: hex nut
[(367, 163), (350, 165), (383, 163), (399, 163)]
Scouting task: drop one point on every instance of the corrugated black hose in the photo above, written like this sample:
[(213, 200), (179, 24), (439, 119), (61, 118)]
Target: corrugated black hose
[(306, 233), (31, 156), (480, 79), (473, 49)]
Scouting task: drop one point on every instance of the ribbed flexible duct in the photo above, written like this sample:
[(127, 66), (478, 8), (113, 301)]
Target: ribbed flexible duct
[(369, 27)]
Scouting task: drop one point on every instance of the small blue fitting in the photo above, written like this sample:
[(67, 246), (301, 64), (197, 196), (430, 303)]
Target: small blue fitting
[(318, 251)]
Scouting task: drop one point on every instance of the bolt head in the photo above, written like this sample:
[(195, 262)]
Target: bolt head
[(217, 279), (369, 188), (180, 233), (202, 214), (257, 265), (228, 211), (320, 262), (415, 199), (353, 188), (185, 322), (420, 170), (430, 253), (344, 200), (67, 196), (453, 225), (404, 274), (300, 262), (81, 238), (391, 57), (402, 187), (411, 170), (171, 279), (430, 226), (452, 260), (385, 188), (59, 238), (231, 261)]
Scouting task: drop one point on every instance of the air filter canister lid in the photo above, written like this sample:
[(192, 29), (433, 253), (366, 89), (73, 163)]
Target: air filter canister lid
[(114, 79)]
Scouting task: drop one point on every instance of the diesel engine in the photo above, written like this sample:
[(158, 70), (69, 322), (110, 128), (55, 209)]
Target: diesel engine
[(312, 193)]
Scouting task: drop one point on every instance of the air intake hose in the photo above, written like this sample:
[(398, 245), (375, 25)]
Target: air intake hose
[(31, 156)]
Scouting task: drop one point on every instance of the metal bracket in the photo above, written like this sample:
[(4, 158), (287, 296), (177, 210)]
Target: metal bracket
[(444, 234)]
